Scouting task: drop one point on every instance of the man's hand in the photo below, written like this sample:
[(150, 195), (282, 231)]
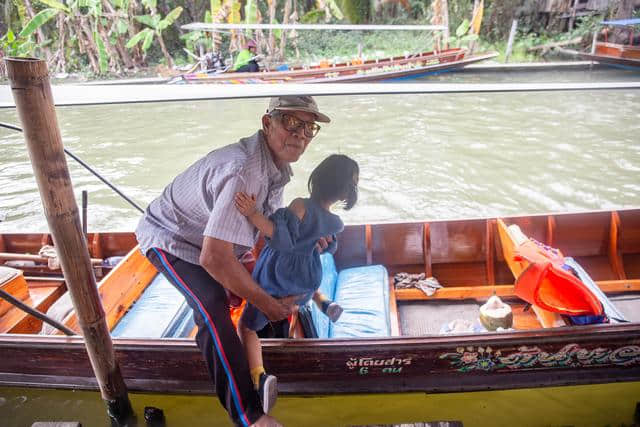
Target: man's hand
[(245, 204), (323, 243), (282, 308)]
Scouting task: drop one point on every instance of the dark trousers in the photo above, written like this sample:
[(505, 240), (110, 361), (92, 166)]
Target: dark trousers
[(217, 337), (251, 67)]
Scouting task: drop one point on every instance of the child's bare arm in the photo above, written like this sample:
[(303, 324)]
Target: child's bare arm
[(247, 206)]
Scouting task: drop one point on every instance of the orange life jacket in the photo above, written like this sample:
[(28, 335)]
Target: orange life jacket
[(549, 286)]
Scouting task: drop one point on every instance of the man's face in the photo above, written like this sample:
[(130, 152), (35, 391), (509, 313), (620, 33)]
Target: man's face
[(286, 146)]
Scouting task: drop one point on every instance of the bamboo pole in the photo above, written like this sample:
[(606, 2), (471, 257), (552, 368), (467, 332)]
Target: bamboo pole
[(32, 94)]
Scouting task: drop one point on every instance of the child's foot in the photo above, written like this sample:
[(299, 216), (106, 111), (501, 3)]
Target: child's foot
[(334, 311), (268, 391)]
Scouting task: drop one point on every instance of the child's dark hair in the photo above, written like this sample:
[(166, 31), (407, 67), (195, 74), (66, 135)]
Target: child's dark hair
[(333, 179)]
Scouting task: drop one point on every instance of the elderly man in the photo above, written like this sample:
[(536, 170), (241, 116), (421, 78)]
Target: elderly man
[(194, 235)]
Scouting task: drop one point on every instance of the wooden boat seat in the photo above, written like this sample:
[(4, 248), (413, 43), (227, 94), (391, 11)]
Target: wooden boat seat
[(40, 297), (363, 293), (13, 282)]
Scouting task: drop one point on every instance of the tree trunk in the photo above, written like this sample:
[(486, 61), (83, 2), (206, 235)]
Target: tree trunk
[(134, 9), (92, 52), (83, 44), (283, 37), (114, 57), (271, 45), (165, 52), (61, 63), (120, 45)]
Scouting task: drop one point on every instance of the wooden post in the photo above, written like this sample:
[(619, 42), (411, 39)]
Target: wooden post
[(593, 47), (29, 79), (512, 36)]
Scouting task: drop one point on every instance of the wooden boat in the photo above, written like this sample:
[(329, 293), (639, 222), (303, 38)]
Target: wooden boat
[(391, 68), (616, 54), (466, 256)]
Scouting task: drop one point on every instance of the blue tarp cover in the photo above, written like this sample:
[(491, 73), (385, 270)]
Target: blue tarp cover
[(622, 22)]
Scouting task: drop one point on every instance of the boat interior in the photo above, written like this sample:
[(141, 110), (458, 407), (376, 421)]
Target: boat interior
[(472, 261)]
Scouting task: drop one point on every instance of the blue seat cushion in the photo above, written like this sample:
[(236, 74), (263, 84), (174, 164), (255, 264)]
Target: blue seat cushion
[(363, 293), (328, 288)]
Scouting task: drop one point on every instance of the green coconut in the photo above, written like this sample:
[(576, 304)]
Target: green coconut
[(496, 314)]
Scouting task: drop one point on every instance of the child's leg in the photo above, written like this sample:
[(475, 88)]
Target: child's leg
[(253, 350), (266, 385), (328, 307)]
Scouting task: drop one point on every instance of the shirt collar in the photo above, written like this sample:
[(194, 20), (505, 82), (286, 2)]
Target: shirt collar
[(275, 175)]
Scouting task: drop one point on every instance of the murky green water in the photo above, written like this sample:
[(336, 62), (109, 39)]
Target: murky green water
[(584, 406), (421, 156)]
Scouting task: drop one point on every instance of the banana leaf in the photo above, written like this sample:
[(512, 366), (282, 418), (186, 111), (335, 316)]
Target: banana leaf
[(103, 57), (38, 21)]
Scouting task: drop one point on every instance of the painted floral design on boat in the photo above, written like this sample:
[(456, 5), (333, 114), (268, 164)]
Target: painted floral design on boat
[(472, 358)]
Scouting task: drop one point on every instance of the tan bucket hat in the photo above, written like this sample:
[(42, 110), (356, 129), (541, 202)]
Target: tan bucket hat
[(297, 103)]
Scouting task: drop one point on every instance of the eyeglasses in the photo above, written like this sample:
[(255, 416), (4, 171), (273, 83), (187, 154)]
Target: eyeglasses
[(293, 124)]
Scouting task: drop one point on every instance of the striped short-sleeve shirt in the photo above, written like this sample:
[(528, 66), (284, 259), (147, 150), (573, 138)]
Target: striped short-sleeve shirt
[(199, 201)]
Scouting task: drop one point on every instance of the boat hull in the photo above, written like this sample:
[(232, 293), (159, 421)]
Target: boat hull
[(372, 70), (468, 259), (560, 356), (618, 55)]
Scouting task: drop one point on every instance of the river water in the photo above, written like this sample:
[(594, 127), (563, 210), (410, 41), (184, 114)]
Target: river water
[(422, 157)]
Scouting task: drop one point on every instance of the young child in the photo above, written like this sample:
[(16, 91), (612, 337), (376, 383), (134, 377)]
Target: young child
[(289, 263)]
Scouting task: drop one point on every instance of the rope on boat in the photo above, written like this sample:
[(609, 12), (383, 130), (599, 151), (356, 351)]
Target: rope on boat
[(35, 313), (87, 167)]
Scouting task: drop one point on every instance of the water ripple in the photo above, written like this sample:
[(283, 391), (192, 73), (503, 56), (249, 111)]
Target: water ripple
[(421, 157)]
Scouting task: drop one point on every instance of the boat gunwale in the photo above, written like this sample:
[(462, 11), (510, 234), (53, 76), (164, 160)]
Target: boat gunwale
[(584, 332)]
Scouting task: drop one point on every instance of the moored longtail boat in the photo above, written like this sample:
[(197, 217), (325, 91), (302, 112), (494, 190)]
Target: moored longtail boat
[(624, 55), (391, 68), (407, 353)]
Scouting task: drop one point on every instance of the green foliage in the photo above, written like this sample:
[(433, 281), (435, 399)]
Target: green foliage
[(312, 17), (38, 21), (56, 5), (103, 57), (148, 20), (170, 18), (251, 12), (193, 39), (148, 38), (335, 9), (155, 26), (356, 11), (121, 27), (151, 4), (137, 38), (462, 37), (343, 45), (16, 46)]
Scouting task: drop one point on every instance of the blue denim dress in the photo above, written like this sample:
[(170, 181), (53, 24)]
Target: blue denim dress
[(289, 264)]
